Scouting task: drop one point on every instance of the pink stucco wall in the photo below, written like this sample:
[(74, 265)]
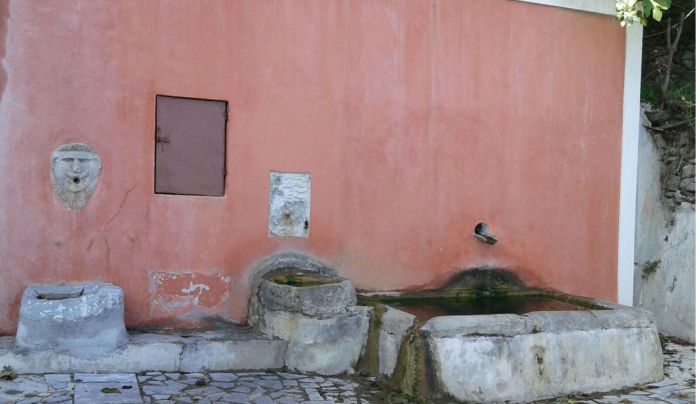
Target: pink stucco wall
[(416, 119)]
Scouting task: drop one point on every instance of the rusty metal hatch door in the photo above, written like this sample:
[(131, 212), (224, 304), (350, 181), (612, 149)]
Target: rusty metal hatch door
[(190, 146)]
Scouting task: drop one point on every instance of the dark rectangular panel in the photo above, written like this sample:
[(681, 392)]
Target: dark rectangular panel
[(190, 146)]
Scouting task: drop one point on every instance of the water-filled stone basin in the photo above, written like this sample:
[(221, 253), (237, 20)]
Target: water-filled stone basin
[(306, 303), (512, 347), (312, 294)]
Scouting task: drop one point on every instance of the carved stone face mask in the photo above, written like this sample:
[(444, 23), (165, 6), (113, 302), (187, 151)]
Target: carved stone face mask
[(75, 170)]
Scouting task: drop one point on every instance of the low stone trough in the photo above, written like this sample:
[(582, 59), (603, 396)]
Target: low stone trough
[(578, 346), (80, 319)]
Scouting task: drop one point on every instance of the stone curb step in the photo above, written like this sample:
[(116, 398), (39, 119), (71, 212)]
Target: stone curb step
[(237, 348)]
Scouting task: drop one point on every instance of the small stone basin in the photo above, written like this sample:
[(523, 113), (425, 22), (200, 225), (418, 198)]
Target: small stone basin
[(81, 319), (299, 291), (306, 303)]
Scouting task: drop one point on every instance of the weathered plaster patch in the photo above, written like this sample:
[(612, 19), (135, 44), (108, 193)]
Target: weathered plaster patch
[(176, 291)]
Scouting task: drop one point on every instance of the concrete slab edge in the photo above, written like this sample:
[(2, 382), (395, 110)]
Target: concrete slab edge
[(536, 322)]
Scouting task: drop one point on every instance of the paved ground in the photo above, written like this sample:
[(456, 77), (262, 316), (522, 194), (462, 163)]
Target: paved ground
[(259, 387), (678, 385)]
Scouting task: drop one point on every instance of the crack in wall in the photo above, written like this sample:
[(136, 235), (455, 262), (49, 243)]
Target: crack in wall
[(121, 205)]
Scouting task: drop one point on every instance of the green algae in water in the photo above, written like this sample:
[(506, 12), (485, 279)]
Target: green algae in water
[(427, 307), (453, 307), (292, 277), (299, 282)]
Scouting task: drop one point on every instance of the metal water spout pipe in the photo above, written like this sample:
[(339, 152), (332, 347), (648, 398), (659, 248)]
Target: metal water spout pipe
[(481, 233)]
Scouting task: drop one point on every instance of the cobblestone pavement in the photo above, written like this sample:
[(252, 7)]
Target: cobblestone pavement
[(251, 388), (678, 386), (163, 387)]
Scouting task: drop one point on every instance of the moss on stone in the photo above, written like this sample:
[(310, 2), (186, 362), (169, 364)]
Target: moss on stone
[(302, 280), (368, 364), (411, 376)]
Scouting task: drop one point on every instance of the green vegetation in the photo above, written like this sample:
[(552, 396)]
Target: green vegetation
[(368, 365), (668, 69), (682, 93), (411, 374), (649, 268), (630, 12)]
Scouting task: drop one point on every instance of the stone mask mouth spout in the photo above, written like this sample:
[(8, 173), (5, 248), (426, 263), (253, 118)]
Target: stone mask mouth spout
[(75, 172)]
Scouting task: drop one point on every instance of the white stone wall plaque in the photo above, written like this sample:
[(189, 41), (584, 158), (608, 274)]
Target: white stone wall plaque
[(290, 204)]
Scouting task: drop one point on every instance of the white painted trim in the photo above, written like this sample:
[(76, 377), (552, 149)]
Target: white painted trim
[(628, 167), (606, 7)]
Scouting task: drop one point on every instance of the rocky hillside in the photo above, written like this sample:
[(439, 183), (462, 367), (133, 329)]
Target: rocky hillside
[(668, 91)]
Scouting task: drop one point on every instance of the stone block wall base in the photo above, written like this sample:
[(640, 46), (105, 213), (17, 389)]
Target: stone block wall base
[(326, 346), (238, 349)]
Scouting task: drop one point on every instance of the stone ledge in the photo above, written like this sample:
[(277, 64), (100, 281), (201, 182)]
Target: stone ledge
[(536, 322), (232, 349)]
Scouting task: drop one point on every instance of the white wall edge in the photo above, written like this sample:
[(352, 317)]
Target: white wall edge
[(606, 7), (628, 167)]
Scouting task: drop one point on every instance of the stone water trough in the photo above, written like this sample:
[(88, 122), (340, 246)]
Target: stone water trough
[(482, 337), (496, 342)]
